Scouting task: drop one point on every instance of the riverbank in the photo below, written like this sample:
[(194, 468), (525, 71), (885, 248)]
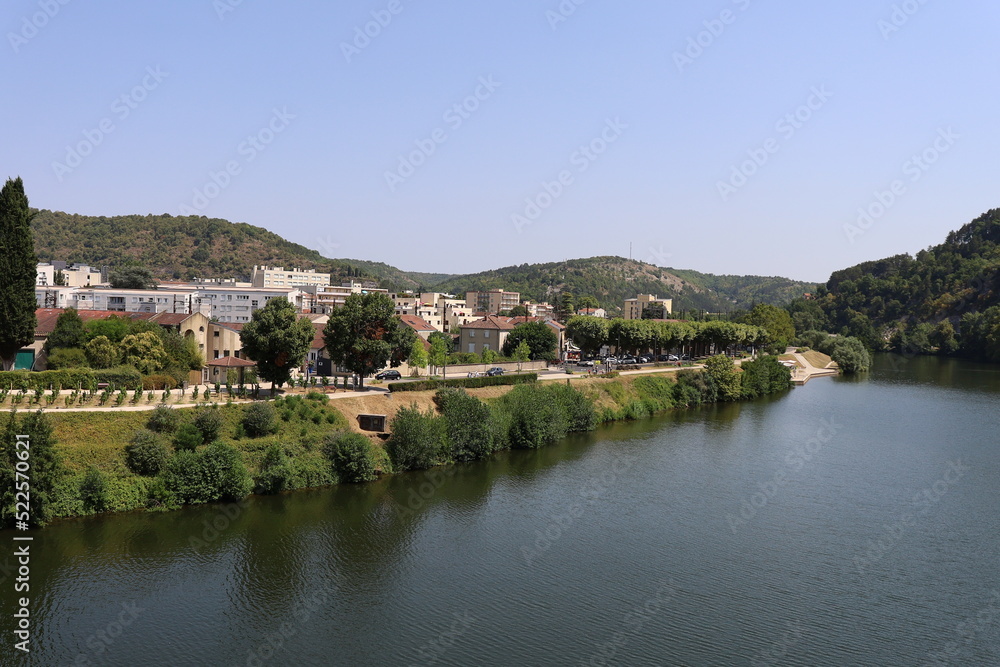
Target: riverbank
[(94, 445)]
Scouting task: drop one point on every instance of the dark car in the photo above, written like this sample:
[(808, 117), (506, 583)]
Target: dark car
[(494, 371), (389, 375)]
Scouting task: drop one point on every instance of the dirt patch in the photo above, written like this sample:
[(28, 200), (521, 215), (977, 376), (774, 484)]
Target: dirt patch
[(817, 359)]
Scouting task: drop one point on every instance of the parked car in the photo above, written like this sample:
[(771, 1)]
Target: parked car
[(496, 370), (645, 359), (629, 360), (673, 357), (389, 375), (588, 363), (685, 357)]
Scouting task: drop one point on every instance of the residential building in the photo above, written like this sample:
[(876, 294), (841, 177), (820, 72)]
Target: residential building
[(321, 299), (634, 307), (592, 312), (277, 276), (489, 333), (492, 302), (423, 328), (74, 275), (540, 309)]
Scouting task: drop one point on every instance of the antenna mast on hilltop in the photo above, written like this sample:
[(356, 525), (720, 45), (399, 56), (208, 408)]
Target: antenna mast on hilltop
[(630, 251)]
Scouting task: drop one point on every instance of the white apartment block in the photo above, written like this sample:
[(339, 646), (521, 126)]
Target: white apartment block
[(74, 275), (277, 276), (321, 299)]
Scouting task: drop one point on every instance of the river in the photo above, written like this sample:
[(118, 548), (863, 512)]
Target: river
[(847, 522)]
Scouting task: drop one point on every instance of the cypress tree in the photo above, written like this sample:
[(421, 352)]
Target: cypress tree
[(17, 273)]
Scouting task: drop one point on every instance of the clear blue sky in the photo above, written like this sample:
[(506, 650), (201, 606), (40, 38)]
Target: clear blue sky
[(229, 70)]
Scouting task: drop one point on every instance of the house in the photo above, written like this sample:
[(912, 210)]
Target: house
[(423, 328), (593, 312), (489, 333), (32, 357)]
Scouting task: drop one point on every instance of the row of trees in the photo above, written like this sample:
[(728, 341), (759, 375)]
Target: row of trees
[(590, 334)]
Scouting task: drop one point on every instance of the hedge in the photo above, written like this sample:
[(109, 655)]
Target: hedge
[(467, 383), (124, 377)]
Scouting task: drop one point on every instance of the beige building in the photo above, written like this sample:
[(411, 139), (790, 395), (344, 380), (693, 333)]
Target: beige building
[(277, 276), (634, 307), (74, 275), (492, 302), (321, 299), (489, 333)]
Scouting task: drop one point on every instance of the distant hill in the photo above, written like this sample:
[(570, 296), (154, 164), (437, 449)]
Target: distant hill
[(611, 280), (898, 299), (184, 247)]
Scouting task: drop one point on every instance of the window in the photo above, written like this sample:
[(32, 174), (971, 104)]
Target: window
[(472, 333), (216, 332), (225, 353), (486, 334), (472, 348), (486, 346)]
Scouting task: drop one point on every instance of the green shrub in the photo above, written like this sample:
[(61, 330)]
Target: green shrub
[(318, 396), (692, 388), (258, 420), (417, 439), (122, 377), (187, 438), (763, 376), (351, 456), (66, 357), (470, 429), (850, 354), (213, 474), (577, 409), (159, 382), (468, 383), (146, 454), (536, 420), (209, 422), (276, 471), (93, 491), (163, 420)]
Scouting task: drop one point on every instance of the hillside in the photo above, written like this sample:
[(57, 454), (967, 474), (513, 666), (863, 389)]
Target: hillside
[(611, 280), (942, 288), (184, 247)]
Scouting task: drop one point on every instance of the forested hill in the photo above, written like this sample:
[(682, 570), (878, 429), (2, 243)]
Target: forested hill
[(950, 282), (611, 280), (184, 247)]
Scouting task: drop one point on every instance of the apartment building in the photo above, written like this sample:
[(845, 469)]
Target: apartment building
[(489, 333), (492, 302), (277, 276), (73, 275), (321, 299), (634, 307)]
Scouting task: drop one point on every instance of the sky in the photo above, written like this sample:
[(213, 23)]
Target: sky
[(726, 136)]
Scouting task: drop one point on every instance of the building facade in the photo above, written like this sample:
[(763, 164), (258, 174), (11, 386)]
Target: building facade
[(634, 307), (277, 276)]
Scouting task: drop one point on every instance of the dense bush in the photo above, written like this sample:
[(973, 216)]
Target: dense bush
[(468, 383), (93, 492), (159, 382), (163, 420), (417, 439), (722, 373), (187, 438), (47, 470), (851, 355), (258, 420), (209, 422), (536, 419), (70, 378), (470, 429), (351, 455), (146, 454), (693, 388), (763, 376), (122, 377), (576, 408), (66, 357), (276, 471), (215, 473)]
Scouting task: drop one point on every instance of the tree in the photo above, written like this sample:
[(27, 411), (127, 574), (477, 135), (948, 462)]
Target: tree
[(723, 374), (418, 356), (490, 356), (590, 334), (438, 356), (539, 336), (69, 331), (144, 351), (851, 355), (364, 335), (567, 306), (46, 468), (521, 353), (587, 302), (132, 277), (777, 322), (66, 357), (518, 311), (18, 267), (59, 278), (102, 353), (277, 340)]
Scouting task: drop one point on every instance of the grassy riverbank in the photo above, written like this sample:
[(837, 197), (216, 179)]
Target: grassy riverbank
[(232, 454)]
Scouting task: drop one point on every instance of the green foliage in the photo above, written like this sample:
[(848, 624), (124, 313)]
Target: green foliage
[(364, 335), (144, 351), (66, 357), (352, 456), (981, 334), (68, 333), (93, 491), (418, 355), (132, 277), (470, 429), (577, 409), (540, 338), (163, 419), (17, 266), (417, 440), (776, 321), (102, 353), (723, 375), (765, 375), (208, 421), (276, 471), (277, 340), (851, 355), (490, 356), (187, 438), (259, 419), (536, 420), (120, 377), (146, 454), (212, 474), (46, 468), (468, 383), (588, 333)]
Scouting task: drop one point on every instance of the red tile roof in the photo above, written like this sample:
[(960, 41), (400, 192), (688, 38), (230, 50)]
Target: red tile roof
[(417, 323), (491, 322), (318, 343), (47, 317), (231, 362)]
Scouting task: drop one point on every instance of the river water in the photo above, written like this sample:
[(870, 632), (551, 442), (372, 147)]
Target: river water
[(847, 522)]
